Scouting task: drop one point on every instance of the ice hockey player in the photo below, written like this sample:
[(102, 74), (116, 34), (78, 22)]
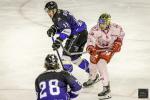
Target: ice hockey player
[(104, 40), (52, 84), (73, 31)]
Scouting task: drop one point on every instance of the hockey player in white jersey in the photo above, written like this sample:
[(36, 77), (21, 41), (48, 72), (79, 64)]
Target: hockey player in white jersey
[(104, 40)]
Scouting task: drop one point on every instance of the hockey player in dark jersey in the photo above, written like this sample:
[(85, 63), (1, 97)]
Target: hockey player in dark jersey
[(69, 29), (52, 84)]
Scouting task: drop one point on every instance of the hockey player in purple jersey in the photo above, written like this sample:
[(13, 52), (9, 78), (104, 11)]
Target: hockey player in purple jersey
[(52, 84), (69, 29)]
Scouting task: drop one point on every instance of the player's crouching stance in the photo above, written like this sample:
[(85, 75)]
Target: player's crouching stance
[(104, 39), (52, 84)]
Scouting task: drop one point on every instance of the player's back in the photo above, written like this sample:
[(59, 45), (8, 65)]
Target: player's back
[(52, 85), (64, 19)]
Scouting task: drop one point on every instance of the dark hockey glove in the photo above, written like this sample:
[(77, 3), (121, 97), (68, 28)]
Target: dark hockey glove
[(57, 43), (51, 31)]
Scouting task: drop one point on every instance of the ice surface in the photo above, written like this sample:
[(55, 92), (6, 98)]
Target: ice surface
[(24, 45)]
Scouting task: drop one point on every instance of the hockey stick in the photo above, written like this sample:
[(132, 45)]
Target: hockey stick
[(68, 53), (73, 53), (77, 53), (58, 53)]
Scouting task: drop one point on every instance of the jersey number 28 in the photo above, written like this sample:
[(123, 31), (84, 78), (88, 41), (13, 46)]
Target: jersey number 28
[(53, 88)]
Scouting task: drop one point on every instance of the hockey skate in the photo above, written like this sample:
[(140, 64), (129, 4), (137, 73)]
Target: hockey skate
[(90, 82), (105, 94)]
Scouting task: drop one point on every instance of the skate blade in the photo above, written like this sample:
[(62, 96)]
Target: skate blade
[(97, 81), (108, 96), (91, 84)]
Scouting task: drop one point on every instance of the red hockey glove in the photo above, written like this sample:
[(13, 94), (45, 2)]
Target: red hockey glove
[(116, 47), (91, 50), (94, 58)]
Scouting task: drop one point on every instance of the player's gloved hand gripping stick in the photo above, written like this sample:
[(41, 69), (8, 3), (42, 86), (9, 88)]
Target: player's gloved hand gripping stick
[(84, 52), (52, 37)]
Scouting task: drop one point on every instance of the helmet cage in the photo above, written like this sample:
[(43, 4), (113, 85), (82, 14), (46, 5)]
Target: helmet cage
[(51, 62)]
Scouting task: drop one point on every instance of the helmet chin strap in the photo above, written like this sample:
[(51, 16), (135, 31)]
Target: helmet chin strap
[(107, 25), (106, 28), (54, 12)]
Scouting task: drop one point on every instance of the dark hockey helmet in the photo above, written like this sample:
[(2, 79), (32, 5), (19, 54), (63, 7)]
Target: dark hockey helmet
[(50, 6), (104, 18), (51, 62)]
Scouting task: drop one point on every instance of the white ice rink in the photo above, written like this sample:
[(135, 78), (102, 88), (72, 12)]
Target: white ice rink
[(24, 45)]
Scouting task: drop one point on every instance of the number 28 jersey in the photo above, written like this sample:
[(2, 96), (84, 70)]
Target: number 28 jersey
[(52, 85)]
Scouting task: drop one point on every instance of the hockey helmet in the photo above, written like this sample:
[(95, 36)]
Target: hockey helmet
[(104, 19), (50, 6), (51, 62)]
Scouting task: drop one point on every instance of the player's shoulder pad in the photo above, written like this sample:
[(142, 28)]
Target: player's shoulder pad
[(61, 12), (115, 25), (94, 28), (39, 75)]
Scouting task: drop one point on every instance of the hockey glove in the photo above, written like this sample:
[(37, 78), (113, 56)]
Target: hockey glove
[(116, 47), (51, 31), (91, 50), (94, 58), (57, 43)]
